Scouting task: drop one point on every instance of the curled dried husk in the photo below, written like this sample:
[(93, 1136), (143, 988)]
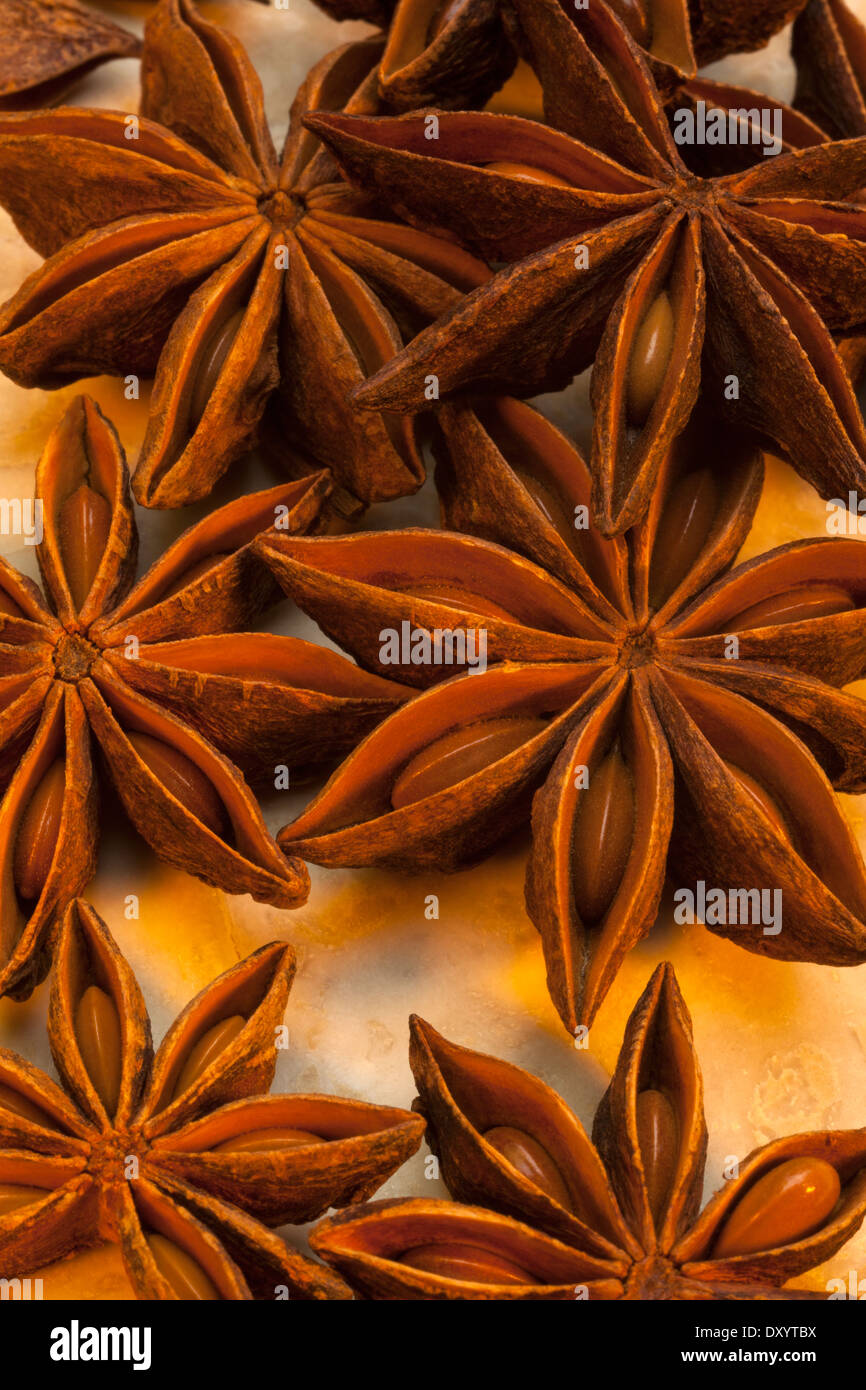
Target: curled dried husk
[(360, 1145), (47, 46), (657, 1054), (28, 927), (87, 955), (256, 989), (362, 1244), (352, 820)]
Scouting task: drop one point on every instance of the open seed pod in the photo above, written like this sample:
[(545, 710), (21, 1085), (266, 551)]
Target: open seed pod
[(445, 778), (506, 1140), (795, 1202), (74, 704), (302, 704), (426, 1250), (625, 1205), (177, 1158)]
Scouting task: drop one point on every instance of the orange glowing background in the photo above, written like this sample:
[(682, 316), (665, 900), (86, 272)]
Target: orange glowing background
[(782, 1047)]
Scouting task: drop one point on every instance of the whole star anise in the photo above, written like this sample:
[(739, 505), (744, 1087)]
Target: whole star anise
[(157, 680), (629, 259), (46, 46), (559, 1217), (178, 1158), (181, 244), (619, 679)]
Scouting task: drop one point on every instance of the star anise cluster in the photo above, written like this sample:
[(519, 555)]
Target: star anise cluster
[(577, 650)]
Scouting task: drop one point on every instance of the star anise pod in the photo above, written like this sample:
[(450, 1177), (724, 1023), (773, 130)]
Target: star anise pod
[(182, 1159), (829, 46), (641, 266), (558, 1217), (193, 251), (621, 678), (136, 674), (46, 46)]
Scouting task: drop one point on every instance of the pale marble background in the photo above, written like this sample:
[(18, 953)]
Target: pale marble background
[(782, 1047)]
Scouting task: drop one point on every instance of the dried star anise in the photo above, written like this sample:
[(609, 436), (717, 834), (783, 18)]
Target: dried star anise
[(46, 46), (455, 53), (560, 1217), (650, 270), (190, 249), (178, 1158), (159, 680), (829, 46), (621, 678)]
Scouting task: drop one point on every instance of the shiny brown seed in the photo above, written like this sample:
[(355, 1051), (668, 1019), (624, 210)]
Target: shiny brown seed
[(456, 597), (529, 173), (180, 1270), (213, 359), (635, 16), (97, 1031), (38, 831), (13, 1196), (787, 1204), (531, 1160), (262, 1140), (687, 518), (795, 606), (85, 523), (208, 562), (206, 1050), (603, 832), (658, 1140), (23, 1106), (180, 776), (763, 800), (650, 355), (459, 754), (471, 1264)]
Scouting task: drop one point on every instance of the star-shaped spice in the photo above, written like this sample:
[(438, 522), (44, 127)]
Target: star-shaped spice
[(181, 244), (559, 1217), (46, 46), (178, 1158), (618, 253), (154, 685), (622, 679)]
